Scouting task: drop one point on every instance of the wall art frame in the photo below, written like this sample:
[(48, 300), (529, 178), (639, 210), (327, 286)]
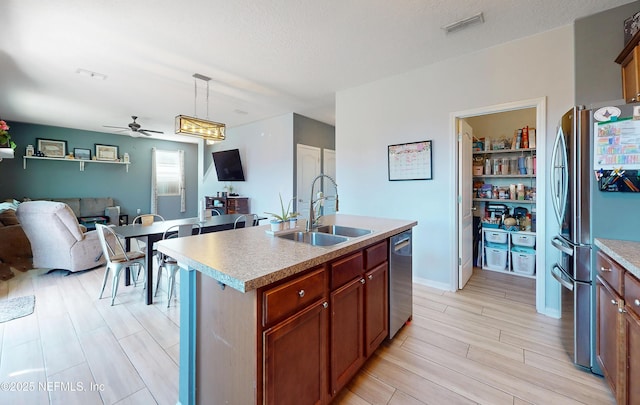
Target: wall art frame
[(106, 152), (52, 148), (82, 153)]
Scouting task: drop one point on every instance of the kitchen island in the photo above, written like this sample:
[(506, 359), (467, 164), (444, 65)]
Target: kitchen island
[(264, 319)]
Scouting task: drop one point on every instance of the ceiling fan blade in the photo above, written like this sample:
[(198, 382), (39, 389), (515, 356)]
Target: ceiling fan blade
[(143, 132), (111, 126), (150, 130)]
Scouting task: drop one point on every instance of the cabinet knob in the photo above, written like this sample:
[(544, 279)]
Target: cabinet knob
[(325, 304), (622, 310), (370, 277), (614, 302), (362, 281), (636, 302), (301, 293), (604, 269)]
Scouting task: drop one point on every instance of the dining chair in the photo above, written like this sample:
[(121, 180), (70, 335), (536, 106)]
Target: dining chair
[(117, 258), (247, 219), (147, 219), (168, 262)]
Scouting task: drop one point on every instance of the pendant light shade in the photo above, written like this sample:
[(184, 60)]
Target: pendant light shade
[(205, 129)]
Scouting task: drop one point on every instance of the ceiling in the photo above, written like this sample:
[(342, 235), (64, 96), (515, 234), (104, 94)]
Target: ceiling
[(264, 57)]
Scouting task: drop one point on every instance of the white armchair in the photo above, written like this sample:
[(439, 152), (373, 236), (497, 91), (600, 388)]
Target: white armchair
[(57, 239)]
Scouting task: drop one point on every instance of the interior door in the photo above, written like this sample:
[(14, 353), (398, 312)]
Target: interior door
[(307, 168), (329, 168), (465, 203)]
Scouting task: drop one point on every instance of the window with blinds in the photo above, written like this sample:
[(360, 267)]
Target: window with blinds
[(168, 172)]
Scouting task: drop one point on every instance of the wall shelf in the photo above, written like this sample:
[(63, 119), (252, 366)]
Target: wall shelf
[(79, 161), (488, 152), (497, 200), (503, 176)]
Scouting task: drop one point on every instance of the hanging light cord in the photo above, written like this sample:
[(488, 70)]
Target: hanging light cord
[(195, 99)]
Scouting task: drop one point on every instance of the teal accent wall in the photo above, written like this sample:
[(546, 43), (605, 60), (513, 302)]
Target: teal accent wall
[(44, 179)]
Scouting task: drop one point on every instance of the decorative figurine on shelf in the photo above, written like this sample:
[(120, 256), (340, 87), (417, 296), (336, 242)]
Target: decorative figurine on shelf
[(29, 151)]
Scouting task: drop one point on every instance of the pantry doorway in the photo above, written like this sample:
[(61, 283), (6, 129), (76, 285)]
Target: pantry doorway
[(491, 122)]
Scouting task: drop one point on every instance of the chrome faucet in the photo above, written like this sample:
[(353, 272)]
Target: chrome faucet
[(313, 221)]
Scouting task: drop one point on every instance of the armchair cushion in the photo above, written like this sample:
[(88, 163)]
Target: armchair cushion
[(57, 239)]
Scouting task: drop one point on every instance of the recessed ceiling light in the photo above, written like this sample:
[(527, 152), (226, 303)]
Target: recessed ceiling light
[(460, 24), (93, 75)]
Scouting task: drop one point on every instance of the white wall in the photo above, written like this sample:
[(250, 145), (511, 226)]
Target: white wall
[(266, 151), (416, 106)]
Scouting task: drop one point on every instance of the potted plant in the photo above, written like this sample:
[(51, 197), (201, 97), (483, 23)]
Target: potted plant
[(7, 146), (279, 220)]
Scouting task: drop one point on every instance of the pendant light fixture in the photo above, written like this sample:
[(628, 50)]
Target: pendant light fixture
[(199, 127)]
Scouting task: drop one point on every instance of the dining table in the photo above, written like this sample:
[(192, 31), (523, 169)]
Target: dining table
[(154, 232)]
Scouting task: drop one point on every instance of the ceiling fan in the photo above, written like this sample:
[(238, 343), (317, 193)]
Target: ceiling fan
[(135, 128)]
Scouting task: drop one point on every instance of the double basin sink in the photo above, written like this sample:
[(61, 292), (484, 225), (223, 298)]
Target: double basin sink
[(326, 235)]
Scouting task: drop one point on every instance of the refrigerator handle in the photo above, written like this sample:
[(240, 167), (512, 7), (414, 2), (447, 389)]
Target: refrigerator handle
[(556, 272), (557, 243), (559, 192)]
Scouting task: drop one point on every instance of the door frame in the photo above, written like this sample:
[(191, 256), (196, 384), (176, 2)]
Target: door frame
[(540, 104)]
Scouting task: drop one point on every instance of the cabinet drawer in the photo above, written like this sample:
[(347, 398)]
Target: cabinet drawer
[(610, 271), (375, 255), (632, 293), (288, 298), (346, 269)]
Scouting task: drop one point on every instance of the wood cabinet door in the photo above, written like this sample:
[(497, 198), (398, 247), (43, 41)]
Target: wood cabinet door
[(376, 307), (607, 330), (632, 329), (630, 72), (347, 324), (295, 358)]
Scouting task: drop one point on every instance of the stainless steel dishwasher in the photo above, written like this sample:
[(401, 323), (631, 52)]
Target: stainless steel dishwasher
[(400, 282)]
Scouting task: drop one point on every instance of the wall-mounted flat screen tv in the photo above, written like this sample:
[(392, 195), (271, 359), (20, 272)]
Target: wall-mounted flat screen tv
[(228, 165)]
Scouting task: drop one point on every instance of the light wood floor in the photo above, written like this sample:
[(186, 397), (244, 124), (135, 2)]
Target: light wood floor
[(484, 345)]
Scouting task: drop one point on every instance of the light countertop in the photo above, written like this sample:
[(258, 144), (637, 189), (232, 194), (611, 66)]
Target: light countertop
[(625, 252), (249, 258)]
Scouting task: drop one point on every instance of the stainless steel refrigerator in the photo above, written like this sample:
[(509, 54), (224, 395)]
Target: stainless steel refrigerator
[(569, 177), (583, 213)]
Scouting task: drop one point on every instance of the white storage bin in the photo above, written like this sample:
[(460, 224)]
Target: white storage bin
[(523, 261), (495, 236), (495, 256), (523, 239)]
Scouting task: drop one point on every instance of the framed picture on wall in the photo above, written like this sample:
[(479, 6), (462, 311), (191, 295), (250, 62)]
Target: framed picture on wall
[(410, 161), (51, 147), (106, 152), (82, 154)]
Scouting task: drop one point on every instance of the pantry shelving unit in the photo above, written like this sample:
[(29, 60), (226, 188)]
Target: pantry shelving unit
[(510, 251)]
